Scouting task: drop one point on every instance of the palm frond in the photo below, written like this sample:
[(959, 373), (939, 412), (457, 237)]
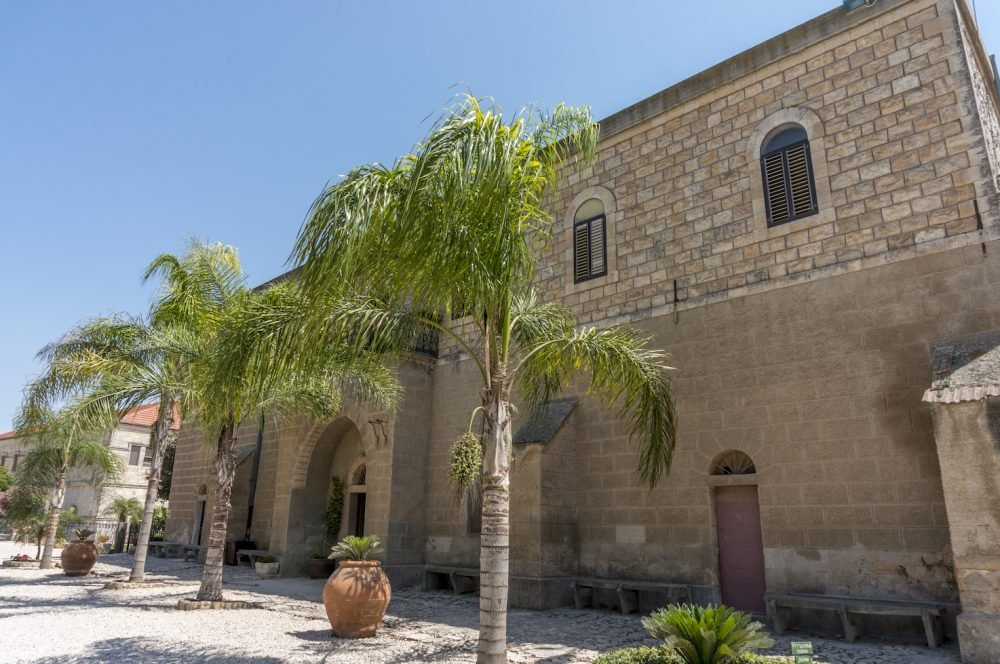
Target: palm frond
[(459, 219), (621, 370)]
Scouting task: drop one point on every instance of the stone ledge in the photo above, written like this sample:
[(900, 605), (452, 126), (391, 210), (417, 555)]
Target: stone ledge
[(196, 605), (128, 585), (22, 564)]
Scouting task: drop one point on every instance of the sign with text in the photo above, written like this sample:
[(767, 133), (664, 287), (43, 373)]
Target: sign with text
[(802, 652)]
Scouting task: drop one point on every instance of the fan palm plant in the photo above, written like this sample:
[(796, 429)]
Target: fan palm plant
[(63, 442), (707, 634), (116, 363), (126, 511), (461, 223)]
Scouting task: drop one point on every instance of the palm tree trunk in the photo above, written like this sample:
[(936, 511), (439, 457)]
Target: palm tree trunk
[(55, 509), (159, 439), (120, 536), (494, 551), (225, 471)]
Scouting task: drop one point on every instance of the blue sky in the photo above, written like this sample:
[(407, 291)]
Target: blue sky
[(126, 127)]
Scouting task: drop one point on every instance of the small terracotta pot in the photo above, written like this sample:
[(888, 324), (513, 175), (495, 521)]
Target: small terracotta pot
[(320, 568), (356, 597), (78, 558)]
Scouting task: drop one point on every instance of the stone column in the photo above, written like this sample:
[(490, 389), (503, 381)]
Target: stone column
[(968, 446)]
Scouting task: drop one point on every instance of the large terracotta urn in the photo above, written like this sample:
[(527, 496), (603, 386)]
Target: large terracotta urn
[(79, 557), (356, 597)]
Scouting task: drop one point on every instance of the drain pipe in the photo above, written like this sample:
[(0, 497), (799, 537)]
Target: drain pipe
[(253, 474)]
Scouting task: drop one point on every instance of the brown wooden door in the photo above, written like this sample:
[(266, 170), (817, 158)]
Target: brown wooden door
[(741, 547)]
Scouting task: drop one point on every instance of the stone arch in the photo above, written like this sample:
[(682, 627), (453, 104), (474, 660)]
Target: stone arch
[(733, 462), (329, 450), (369, 433), (813, 124)]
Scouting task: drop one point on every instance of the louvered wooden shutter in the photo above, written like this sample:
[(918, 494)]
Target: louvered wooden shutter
[(597, 246), (800, 179), (774, 187), (589, 249), (581, 251), (788, 184)]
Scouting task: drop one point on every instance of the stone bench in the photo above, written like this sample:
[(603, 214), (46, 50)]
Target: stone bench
[(628, 592), (192, 551), (459, 579), (250, 555), (168, 549), (779, 607)]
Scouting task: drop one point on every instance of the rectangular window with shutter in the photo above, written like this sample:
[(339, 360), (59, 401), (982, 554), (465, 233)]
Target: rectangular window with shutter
[(789, 190), (133, 457), (590, 252)]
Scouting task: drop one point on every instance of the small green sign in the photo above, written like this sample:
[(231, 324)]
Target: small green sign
[(802, 652)]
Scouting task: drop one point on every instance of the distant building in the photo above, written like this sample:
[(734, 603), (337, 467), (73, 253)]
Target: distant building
[(88, 494)]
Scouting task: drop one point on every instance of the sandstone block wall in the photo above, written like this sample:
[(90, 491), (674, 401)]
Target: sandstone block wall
[(897, 147)]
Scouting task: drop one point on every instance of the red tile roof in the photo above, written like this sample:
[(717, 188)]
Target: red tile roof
[(141, 415), (146, 416)]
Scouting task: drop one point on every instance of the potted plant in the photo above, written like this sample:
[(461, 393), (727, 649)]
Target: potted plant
[(79, 557), (266, 566), (357, 594), (319, 566)]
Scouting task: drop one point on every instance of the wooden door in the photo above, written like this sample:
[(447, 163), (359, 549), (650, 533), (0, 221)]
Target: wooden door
[(741, 547)]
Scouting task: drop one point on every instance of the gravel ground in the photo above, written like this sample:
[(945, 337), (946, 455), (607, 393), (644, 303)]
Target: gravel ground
[(48, 617)]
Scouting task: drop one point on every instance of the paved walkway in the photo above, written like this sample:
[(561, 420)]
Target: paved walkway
[(47, 617)]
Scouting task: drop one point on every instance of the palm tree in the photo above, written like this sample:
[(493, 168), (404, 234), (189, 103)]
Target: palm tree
[(23, 510), (117, 363), (238, 365), (126, 510), (461, 223), (63, 442)]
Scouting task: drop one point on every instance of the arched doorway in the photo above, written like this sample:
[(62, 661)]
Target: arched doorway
[(741, 543), (335, 454)]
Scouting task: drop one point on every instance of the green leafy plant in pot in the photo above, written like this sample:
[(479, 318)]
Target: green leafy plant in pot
[(319, 565), (357, 595)]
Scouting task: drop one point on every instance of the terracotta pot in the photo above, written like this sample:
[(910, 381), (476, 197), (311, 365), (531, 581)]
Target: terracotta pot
[(356, 597), (78, 558), (320, 568)]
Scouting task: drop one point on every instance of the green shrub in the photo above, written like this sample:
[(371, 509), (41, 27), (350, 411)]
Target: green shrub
[(663, 655), (707, 634), (643, 655), (264, 559), (334, 512), (6, 479), (356, 548)]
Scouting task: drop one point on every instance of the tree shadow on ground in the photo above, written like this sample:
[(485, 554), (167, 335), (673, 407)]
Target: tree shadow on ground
[(148, 650), (323, 643)]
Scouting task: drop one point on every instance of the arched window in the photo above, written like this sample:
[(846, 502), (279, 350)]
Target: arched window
[(590, 251), (733, 462), (360, 476), (786, 166)]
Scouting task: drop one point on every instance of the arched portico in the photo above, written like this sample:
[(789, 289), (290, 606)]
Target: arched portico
[(335, 450)]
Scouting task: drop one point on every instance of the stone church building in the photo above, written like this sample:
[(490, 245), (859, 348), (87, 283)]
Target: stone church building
[(805, 228)]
